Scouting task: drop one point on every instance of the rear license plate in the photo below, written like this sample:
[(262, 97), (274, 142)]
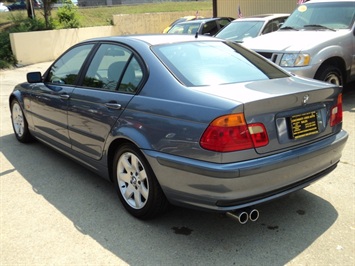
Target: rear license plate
[(304, 125)]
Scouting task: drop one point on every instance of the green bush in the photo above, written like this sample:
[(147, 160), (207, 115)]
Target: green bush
[(20, 24), (7, 59), (68, 16)]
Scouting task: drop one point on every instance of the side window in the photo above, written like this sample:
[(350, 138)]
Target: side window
[(66, 69), (271, 26), (210, 27), (132, 77), (113, 68), (282, 20), (274, 25), (223, 22), (192, 29)]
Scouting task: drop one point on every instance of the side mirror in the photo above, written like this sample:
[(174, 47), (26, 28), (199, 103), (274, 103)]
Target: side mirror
[(34, 77)]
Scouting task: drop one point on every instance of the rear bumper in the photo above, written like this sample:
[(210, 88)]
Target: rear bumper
[(226, 187)]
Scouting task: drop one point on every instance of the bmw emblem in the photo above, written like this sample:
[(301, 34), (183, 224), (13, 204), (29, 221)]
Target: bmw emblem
[(305, 99)]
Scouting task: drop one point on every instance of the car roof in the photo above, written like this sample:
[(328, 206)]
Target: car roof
[(263, 17), (200, 20), (156, 39)]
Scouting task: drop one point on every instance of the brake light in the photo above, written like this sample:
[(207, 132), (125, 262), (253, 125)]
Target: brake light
[(258, 134), (336, 115), (231, 133)]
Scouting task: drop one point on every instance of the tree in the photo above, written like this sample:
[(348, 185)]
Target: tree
[(47, 7), (30, 9)]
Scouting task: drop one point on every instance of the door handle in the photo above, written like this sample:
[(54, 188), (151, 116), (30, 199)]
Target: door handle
[(64, 96), (115, 106)]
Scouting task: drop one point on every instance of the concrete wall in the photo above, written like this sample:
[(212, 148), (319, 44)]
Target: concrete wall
[(45, 46)]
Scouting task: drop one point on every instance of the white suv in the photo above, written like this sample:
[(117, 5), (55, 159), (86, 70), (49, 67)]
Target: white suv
[(316, 41)]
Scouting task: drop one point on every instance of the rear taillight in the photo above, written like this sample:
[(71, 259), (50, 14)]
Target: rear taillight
[(336, 115), (231, 133), (258, 134)]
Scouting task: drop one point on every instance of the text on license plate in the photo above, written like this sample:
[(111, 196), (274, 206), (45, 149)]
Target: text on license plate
[(304, 125)]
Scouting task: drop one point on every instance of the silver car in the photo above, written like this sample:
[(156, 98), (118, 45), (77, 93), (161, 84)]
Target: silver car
[(251, 27), (202, 26), (175, 119), (316, 41)]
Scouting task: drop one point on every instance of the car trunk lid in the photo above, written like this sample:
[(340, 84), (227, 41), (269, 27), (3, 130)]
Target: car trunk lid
[(293, 113)]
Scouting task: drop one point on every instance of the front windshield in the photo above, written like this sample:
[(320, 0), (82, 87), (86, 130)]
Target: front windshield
[(333, 15), (239, 30), (185, 28), (214, 62)]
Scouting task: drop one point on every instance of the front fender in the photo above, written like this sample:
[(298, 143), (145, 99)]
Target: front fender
[(333, 51), (16, 94), (22, 93)]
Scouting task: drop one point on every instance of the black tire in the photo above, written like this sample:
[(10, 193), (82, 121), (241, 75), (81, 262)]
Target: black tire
[(331, 74), (136, 184), (19, 123)]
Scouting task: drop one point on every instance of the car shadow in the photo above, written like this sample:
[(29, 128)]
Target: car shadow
[(349, 97), (286, 227)]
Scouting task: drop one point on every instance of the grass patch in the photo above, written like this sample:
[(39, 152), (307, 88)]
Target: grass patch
[(102, 16)]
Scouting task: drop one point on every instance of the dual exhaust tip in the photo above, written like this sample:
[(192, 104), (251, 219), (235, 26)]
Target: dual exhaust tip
[(244, 215)]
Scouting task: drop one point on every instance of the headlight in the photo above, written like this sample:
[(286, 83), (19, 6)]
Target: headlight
[(293, 60)]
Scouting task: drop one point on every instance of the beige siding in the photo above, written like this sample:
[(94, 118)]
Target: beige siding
[(150, 22), (229, 8)]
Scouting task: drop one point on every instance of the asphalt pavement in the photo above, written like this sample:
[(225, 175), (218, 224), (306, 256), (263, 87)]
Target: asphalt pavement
[(55, 212)]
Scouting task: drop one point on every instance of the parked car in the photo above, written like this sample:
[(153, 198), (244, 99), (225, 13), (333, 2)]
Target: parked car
[(316, 41), (204, 26), (22, 5), (251, 27), (17, 6), (196, 122), (61, 3), (3, 8), (37, 4), (182, 19)]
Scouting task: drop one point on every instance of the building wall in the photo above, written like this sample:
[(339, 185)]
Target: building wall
[(149, 22), (229, 8)]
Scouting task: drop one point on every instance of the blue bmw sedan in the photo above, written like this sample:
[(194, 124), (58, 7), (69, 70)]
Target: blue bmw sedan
[(185, 120)]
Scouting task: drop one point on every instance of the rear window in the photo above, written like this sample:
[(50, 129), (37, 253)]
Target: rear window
[(214, 62)]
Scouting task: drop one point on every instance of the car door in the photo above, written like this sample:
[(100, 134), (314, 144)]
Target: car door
[(111, 80), (49, 104)]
